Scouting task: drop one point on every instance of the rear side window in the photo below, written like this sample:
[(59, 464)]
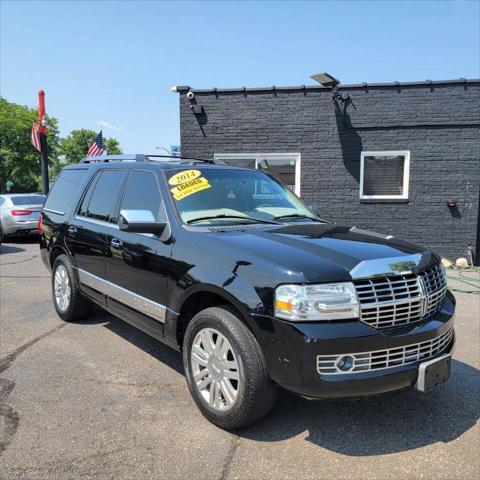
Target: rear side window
[(64, 190), (141, 193), (99, 202), (28, 200)]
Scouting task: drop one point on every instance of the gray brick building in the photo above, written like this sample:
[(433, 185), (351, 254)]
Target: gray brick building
[(391, 157)]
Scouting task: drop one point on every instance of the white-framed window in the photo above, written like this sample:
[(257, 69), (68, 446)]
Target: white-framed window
[(384, 175), (284, 166)]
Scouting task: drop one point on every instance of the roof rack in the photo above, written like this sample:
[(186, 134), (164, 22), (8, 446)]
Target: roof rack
[(207, 160), (138, 157)]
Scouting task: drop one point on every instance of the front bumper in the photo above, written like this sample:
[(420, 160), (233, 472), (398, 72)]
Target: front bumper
[(291, 351)]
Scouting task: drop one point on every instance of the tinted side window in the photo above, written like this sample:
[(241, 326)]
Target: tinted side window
[(142, 193), (64, 190), (102, 201)]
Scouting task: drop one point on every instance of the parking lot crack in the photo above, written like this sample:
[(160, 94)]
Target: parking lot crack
[(11, 357), (9, 426), (10, 418), (66, 465), (229, 458), (20, 261)]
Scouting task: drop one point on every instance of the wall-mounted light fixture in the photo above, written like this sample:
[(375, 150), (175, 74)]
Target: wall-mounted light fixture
[(327, 80)]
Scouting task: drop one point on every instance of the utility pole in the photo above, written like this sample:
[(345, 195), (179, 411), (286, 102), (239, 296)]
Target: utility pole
[(42, 124)]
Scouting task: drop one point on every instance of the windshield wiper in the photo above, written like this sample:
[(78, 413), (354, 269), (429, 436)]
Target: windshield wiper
[(298, 215), (223, 215)]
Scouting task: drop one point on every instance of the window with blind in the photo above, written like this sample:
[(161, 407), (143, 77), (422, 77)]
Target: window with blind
[(384, 175)]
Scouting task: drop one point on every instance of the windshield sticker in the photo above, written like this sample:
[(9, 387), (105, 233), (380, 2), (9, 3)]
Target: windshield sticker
[(188, 188), (184, 176)]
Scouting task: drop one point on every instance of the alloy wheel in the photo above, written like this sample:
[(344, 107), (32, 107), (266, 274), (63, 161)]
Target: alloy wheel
[(215, 369), (62, 289)]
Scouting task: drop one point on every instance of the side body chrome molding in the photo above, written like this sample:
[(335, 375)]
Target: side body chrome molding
[(148, 307), (51, 210), (97, 222)]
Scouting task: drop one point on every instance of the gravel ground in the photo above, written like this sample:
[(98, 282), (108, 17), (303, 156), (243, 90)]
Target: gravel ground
[(101, 399)]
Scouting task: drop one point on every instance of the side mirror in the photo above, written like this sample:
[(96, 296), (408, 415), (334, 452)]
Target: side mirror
[(140, 221)]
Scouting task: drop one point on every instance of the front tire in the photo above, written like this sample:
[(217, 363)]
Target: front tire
[(225, 369), (69, 303)]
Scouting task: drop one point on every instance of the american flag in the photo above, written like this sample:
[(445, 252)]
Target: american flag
[(35, 137), (96, 148)]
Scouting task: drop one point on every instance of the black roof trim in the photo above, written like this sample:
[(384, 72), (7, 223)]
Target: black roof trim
[(395, 84)]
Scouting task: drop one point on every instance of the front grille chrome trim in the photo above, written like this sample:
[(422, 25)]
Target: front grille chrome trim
[(392, 301), (386, 359)]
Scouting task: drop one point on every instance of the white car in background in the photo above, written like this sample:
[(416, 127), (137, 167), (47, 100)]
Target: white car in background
[(19, 214)]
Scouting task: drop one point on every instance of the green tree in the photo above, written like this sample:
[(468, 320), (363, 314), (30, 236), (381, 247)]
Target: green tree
[(112, 146), (75, 146), (19, 161)]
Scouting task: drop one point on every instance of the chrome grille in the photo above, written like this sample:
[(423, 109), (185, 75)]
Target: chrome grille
[(382, 359), (435, 286), (387, 289), (401, 299), (434, 279)]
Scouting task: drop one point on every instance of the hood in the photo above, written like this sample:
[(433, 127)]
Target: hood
[(327, 252)]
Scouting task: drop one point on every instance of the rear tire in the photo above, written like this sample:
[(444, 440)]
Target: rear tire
[(226, 370), (69, 303)]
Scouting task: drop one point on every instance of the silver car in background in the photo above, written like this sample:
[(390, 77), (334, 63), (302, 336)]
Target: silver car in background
[(19, 213)]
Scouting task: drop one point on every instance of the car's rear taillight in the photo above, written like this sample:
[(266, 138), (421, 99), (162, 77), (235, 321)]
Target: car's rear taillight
[(40, 224), (20, 212)]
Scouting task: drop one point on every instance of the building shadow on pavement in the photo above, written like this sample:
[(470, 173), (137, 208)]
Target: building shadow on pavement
[(21, 239), (5, 249), (14, 244), (379, 425)]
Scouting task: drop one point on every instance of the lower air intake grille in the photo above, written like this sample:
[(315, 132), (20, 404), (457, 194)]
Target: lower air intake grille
[(382, 359)]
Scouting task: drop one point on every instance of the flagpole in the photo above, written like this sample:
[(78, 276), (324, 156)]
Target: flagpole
[(44, 160), (42, 123)]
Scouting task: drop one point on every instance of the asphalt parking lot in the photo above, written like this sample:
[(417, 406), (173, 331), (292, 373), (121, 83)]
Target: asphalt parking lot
[(101, 399)]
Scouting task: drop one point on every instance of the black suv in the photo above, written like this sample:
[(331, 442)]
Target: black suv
[(228, 266)]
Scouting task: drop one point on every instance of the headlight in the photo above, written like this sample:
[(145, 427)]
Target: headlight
[(333, 301)]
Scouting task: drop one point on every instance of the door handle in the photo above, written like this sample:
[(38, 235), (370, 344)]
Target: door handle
[(116, 243), (72, 230)]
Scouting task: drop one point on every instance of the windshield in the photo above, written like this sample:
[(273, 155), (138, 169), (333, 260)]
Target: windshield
[(28, 200), (207, 195)]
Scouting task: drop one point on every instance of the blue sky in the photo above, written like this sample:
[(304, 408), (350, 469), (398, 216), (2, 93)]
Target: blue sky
[(115, 61)]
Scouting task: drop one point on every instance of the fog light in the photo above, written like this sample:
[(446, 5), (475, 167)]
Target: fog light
[(345, 363)]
